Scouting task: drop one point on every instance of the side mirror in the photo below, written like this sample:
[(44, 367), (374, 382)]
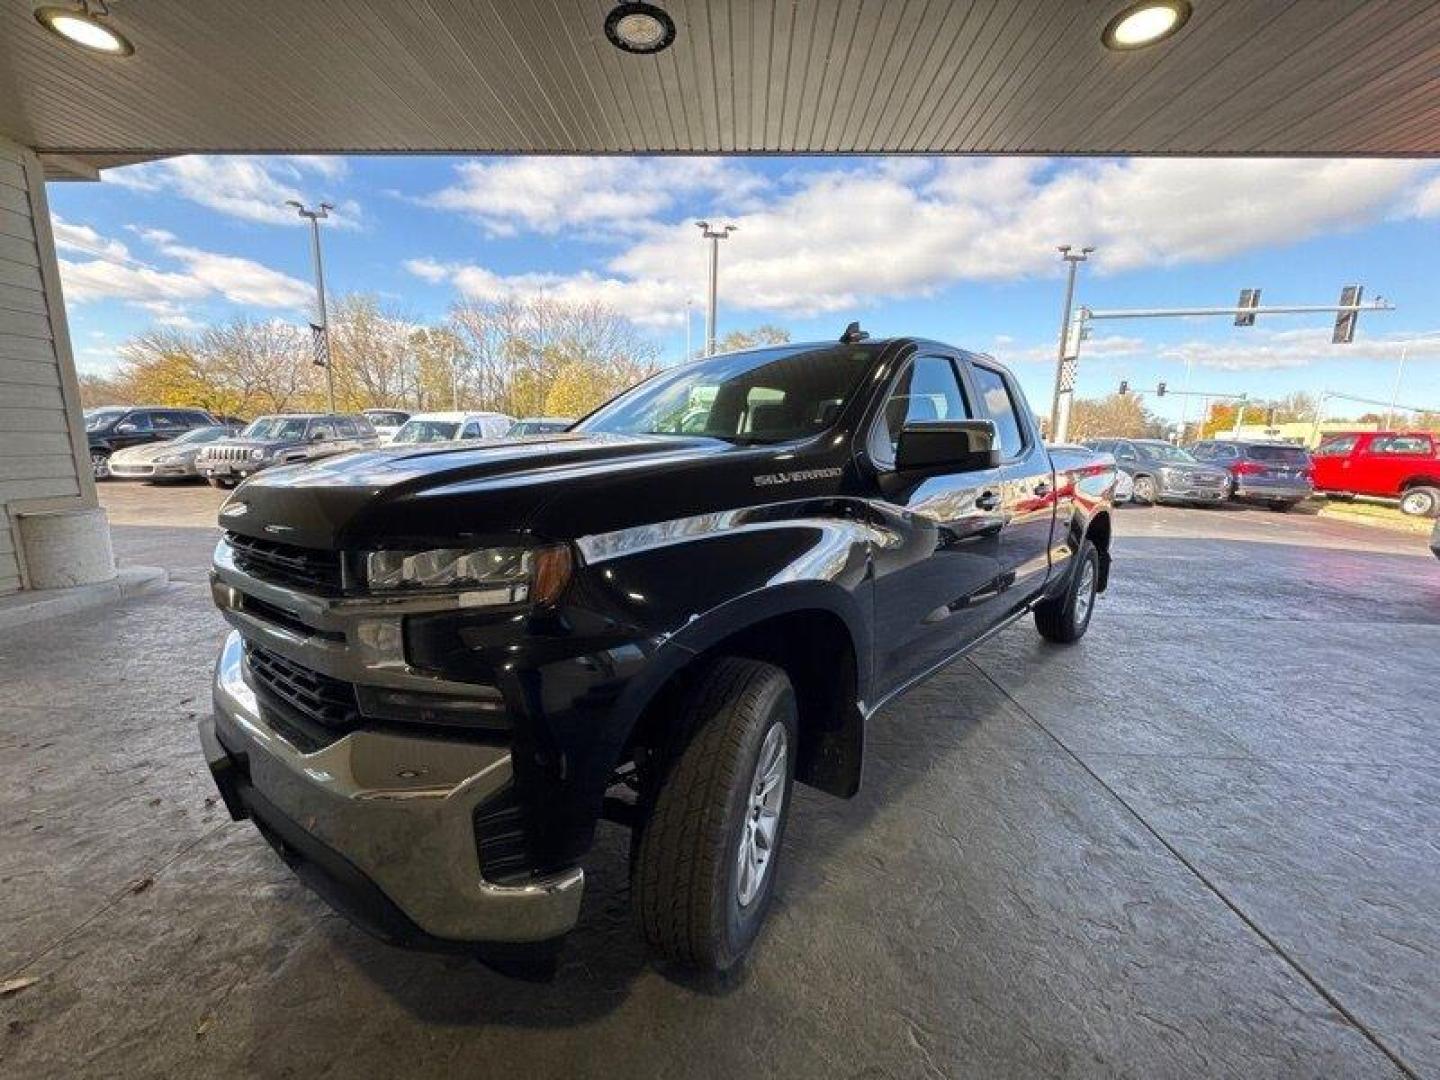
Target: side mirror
[(317, 436), (126, 428), (948, 446)]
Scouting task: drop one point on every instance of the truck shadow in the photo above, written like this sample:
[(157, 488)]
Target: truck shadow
[(954, 713)]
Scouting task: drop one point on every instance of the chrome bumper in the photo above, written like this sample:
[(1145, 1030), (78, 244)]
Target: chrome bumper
[(399, 809)]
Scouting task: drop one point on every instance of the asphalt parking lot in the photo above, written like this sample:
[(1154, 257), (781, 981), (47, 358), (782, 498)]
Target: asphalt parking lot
[(1205, 841)]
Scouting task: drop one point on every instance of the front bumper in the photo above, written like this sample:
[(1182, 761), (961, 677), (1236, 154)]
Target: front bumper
[(150, 471), (381, 824)]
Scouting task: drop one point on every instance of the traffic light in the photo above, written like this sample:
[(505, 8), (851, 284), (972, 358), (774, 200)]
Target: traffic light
[(1249, 298), (1345, 320), (1124, 387), (1160, 390)]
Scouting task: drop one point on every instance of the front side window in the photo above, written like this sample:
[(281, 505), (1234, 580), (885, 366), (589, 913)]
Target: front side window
[(1337, 447), (927, 390), (1124, 452), (766, 396), (470, 431), (1000, 405), (322, 430)]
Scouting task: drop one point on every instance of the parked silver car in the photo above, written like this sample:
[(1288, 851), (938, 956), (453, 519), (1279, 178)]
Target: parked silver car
[(282, 440), (1165, 473), (172, 460)]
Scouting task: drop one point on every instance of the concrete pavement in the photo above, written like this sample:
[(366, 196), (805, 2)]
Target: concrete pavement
[(1201, 842)]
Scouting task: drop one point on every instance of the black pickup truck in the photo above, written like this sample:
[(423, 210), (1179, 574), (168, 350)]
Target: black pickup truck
[(449, 662)]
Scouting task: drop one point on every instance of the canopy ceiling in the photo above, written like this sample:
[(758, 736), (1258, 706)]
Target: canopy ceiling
[(1243, 77)]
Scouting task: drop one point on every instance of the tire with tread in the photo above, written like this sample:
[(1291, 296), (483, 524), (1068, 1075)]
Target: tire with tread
[(1060, 618), (1146, 491), (684, 863), (1420, 501)]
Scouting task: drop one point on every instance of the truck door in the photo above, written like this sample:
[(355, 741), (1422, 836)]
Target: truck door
[(1331, 463), (1028, 495), (936, 575)]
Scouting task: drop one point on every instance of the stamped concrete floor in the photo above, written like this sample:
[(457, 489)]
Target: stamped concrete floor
[(1204, 842)]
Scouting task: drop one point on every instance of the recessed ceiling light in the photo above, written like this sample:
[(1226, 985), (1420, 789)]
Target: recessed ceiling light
[(639, 28), (1145, 24), (79, 26)]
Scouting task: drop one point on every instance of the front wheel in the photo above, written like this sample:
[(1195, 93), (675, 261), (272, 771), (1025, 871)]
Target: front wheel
[(704, 867), (1146, 491), (100, 464), (1421, 502), (1066, 617)]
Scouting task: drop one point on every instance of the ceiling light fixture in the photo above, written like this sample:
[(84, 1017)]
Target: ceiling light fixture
[(81, 26), (639, 28), (1145, 24)]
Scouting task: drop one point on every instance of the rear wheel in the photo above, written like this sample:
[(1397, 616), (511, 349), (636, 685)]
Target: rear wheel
[(1421, 502), (704, 866), (1066, 617), (1283, 507), (1146, 491)]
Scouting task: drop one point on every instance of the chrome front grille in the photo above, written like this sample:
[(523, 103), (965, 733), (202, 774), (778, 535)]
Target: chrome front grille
[(311, 569), (317, 698), (225, 453)]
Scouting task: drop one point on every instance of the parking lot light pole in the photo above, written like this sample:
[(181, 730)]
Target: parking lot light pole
[(320, 328), (714, 236), (1064, 363)]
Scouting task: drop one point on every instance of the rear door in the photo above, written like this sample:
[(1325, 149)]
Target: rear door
[(1390, 460), (936, 581), (1028, 496)]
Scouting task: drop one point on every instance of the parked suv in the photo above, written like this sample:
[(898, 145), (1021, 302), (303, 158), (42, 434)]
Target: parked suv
[(450, 426), (1165, 473), (386, 422), (282, 440), (1402, 465), (450, 661), (1275, 474), (113, 428)]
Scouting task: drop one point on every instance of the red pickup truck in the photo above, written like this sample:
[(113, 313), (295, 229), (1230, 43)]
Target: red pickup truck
[(1402, 465)]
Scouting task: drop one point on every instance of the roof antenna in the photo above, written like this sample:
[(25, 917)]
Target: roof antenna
[(853, 334)]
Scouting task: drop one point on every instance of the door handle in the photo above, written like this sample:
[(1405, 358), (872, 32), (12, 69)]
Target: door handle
[(1042, 488), (987, 500)]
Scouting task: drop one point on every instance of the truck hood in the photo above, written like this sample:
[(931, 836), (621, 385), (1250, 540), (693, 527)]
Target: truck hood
[(557, 487)]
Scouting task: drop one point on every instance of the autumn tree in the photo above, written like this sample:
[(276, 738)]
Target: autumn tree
[(765, 334), (1118, 416)]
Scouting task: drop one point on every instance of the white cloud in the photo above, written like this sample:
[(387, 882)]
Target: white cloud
[(843, 240), (249, 188), (1269, 350), (112, 273), (596, 195), (650, 304)]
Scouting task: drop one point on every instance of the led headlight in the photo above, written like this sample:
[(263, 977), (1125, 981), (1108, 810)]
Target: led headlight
[(497, 575)]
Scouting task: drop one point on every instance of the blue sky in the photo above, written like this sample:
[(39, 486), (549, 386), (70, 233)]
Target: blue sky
[(959, 249)]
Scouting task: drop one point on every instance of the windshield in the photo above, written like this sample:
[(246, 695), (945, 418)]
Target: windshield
[(201, 435), (98, 418), (771, 395), (276, 428), (423, 431), (1282, 455), (1163, 452)]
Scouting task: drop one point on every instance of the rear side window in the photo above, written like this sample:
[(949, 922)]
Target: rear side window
[(1401, 444), (1338, 447), (1000, 404)]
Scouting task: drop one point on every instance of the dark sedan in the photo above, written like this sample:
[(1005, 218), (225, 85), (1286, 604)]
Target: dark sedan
[(113, 428), (1163, 473)]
